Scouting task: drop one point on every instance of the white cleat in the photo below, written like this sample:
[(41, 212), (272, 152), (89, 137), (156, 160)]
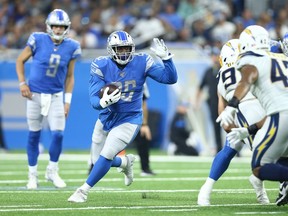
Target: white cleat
[(259, 189), (128, 170), (203, 197), (53, 176), (79, 196), (32, 181)]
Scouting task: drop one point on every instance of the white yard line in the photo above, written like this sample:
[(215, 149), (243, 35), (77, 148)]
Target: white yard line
[(85, 157), (238, 178), (75, 208)]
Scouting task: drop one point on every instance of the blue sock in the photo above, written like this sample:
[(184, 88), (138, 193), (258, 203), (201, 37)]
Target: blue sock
[(33, 147), (116, 162), (221, 162), (273, 172), (56, 145), (100, 168)]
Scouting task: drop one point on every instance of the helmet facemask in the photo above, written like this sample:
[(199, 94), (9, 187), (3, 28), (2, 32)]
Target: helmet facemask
[(58, 18), (121, 47)]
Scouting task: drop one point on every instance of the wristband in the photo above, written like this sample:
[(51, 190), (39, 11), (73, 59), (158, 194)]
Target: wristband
[(68, 97), (22, 83), (252, 129), (234, 102)]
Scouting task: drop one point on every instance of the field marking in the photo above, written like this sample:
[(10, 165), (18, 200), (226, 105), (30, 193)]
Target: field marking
[(257, 213), (173, 210), (155, 158), (121, 207), (155, 179), (66, 171), (121, 190), (17, 206)]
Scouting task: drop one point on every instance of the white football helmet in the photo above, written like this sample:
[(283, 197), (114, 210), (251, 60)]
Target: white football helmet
[(229, 53), (58, 17), (284, 44), (120, 39), (254, 37)]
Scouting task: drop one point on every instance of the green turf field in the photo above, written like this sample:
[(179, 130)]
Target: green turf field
[(173, 191)]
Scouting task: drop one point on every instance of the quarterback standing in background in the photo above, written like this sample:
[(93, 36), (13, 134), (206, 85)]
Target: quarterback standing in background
[(51, 74), (120, 112)]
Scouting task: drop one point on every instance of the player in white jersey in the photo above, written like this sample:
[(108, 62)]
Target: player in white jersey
[(250, 112), (120, 113), (265, 75), (51, 74)]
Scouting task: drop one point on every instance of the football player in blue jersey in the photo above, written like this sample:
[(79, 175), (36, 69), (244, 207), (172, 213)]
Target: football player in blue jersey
[(51, 74), (120, 113), (280, 46)]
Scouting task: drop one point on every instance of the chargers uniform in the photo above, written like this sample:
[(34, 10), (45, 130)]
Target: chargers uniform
[(250, 110), (271, 141)]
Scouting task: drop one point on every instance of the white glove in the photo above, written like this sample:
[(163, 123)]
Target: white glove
[(237, 134), (108, 99), (160, 49), (227, 116)]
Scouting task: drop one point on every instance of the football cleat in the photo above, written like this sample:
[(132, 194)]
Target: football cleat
[(259, 189), (79, 196), (53, 176), (128, 170), (32, 181), (282, 198)]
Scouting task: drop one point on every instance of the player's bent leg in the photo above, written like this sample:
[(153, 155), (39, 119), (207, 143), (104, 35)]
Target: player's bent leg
[(219, 166), (114, 145), (99, 170)]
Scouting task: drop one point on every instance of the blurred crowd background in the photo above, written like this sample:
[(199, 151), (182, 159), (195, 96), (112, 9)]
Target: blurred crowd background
[(201, 22)]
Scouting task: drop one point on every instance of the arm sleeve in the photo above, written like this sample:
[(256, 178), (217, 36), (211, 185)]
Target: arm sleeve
[(163, 73), (96, 82)]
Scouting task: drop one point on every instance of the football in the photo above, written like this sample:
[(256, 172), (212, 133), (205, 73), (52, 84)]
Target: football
[(112, 88)]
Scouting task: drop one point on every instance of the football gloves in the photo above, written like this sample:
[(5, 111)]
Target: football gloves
[(108, 99), (227, 116), (237, 134), (160, 49)]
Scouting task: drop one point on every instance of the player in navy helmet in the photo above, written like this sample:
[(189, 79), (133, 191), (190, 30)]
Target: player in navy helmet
[(48, 90)]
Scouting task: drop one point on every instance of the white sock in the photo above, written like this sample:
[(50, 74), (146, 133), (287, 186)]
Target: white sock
[(124, 162), (209, 184), (32, 169), (53, 165), (85, 187)]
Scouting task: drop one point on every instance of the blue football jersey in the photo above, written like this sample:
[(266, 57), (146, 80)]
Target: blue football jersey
[(130, 79), (275, 47), (50, 62)]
